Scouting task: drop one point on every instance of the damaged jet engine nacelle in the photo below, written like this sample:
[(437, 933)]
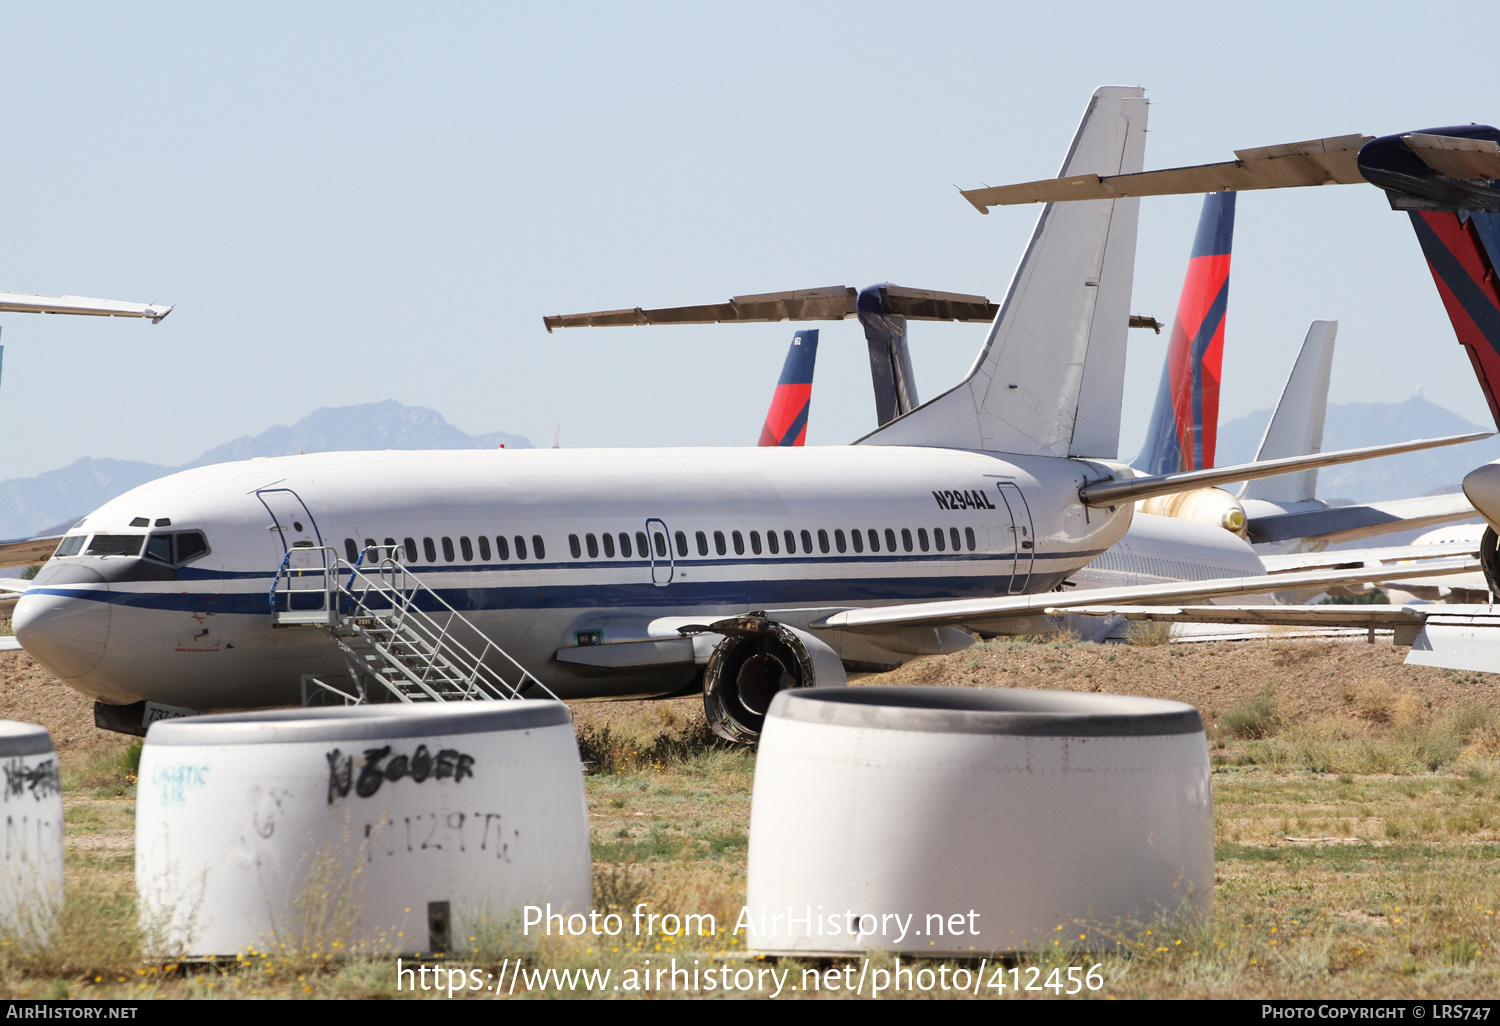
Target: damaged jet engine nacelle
[(757, 658)]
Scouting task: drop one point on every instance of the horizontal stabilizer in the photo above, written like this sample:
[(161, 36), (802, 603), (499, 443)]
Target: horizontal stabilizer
[(1350, 523), (1131, 489), (1456, 156), (1315, 162), (15, 302), (979, 612), (835, 303)]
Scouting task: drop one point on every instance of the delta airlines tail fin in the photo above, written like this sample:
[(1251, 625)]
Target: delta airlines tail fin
[(1185, 421), (786, 421), (1296, 427), (1463, 252), (1051, 374)]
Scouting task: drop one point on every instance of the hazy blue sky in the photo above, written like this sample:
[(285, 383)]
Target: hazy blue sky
[(353, 202)]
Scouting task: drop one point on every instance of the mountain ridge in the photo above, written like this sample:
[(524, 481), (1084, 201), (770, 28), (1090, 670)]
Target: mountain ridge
[(51, 502)]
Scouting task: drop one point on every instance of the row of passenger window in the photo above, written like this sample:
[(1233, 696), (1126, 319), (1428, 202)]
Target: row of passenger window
[(626, 546), (408, 548), (856, 539)]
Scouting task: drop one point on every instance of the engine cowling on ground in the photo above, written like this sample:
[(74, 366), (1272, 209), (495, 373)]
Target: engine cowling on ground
[(757, 658)]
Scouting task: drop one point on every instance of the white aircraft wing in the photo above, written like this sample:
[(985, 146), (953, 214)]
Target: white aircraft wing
[(15, 302), (13, 585), (1112, 491), (1286, 616), (1350, 523), (1351, 559), (978, 613)]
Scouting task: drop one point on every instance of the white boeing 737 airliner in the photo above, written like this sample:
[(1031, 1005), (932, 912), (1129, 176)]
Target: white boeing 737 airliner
[(965, 512)]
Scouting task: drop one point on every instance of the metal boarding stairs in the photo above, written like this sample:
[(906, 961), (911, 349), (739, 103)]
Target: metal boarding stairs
[(394, 632)]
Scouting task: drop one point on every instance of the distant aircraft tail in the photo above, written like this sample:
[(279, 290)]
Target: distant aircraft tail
[(1296, 427), (1051, 375), (786, 422), (1185, 421)]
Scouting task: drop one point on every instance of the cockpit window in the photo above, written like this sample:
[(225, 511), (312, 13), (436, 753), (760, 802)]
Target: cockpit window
[(159, 548), (189, 545), (71, 545), (115, 545)]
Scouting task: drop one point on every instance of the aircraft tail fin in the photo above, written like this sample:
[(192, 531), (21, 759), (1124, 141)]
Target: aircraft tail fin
[(890, 357), (1050, 377), (1463, 253), (786, 421), (1185, 421), (1296, 427)]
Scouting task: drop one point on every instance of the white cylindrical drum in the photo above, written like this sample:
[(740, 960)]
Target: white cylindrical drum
[(387, 828), (950, 821), (31, 882)]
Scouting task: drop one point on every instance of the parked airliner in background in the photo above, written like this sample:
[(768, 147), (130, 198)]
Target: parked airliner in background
[(965, 512), (1448, 182)]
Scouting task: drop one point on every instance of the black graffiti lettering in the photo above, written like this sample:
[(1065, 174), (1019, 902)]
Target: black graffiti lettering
[(428, 842), (340, 775), (370, 774), (41, 780), (484, 840), (421, 764), (449, 763), (457, 826)]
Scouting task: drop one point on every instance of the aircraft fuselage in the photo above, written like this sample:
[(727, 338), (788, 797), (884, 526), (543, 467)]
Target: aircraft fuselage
[(726, 530)]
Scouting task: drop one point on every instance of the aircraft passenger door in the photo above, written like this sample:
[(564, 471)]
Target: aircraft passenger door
[(1023, 537), (660, 540), (292, 526)]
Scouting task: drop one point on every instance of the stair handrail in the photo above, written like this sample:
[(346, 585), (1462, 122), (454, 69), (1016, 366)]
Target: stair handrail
[(400, 587)]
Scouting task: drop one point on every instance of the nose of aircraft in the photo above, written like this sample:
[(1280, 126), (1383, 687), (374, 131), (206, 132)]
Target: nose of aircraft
[(65, 632), (1482, 486)]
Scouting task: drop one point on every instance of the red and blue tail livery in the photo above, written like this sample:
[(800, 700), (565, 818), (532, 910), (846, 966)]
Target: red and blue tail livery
[(1463, 253), (1185, 419), (786, 423)]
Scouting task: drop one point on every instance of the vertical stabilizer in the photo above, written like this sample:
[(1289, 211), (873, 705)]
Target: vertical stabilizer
[(1296, 427), (1050, 377), (1185, 420), (1463, 253), (786, 421), (890, 358)]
